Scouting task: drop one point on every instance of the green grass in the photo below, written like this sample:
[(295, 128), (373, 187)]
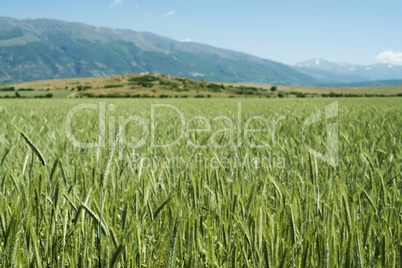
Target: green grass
[(61, 95), (299, 214)]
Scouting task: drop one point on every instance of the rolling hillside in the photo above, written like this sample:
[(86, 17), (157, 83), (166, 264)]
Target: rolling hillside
[(146, 85)]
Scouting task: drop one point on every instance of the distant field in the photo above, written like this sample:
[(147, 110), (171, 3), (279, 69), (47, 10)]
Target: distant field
[(217, 194), (30, 94), (156, 85), (387, 90)]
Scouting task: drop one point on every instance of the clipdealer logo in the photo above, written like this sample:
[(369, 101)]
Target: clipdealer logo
[(236, 138), (331, 155), (238, 131)]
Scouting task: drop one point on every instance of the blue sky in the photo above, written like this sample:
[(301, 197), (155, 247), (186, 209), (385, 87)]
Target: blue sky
[(288, 31)]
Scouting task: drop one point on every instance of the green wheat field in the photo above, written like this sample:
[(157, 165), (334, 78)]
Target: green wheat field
[(229, 204)]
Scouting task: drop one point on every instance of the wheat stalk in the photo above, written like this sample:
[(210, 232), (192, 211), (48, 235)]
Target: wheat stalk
[(108, 164), (33, 147), (103, 185)]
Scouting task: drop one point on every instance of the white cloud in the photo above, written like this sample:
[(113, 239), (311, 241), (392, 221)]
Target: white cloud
[(389, 56), (116, 2), (187, 40), (136, 7), (170, 13)]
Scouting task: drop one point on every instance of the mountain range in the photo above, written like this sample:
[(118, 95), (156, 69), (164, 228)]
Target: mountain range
[(34, 49), (329, 72), (43, 49)]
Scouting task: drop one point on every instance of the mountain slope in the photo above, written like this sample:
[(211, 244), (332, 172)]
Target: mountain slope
[(328, 72), (44, 49)]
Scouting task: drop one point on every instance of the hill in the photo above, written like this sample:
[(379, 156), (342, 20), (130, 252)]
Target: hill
[(160, 85), (36, 49)]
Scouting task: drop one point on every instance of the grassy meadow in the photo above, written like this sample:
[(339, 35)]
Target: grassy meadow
[(228, 204)]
